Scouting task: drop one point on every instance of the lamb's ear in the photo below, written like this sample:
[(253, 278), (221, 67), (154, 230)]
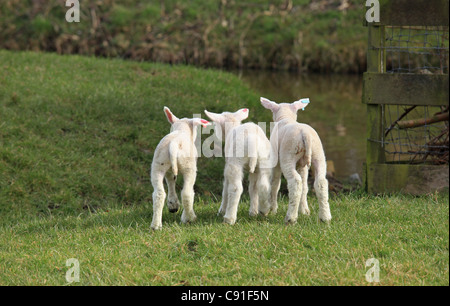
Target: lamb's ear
[(213, 116), (200, 121), (300, 104), (242, 114), (171, 117), (269, 104)]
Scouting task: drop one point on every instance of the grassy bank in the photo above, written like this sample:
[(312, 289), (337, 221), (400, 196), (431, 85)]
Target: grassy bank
[(77, 136), (78, 133), (318, 35)]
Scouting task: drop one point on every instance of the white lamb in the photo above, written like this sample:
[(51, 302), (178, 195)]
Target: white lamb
[(298, 145), (175, 153), (246, 146)]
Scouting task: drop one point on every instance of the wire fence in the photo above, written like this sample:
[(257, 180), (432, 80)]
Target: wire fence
[(422, 50), (417, 137), (416, 134)]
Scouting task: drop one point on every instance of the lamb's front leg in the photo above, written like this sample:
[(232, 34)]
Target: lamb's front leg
[(187, 196), (159, 196), (172, 199)]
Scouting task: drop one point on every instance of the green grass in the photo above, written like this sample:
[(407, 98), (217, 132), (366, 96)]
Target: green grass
[(77, 137), (77, 132), (408, 235)]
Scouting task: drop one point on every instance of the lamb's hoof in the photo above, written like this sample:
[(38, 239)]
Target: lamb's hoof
[(173, 205), (290, 221), (156, 227), (263, 213), (325, 220), (187, 220), (326, 217), (305, 212), (173, 210), (229, 221), (252, 213)]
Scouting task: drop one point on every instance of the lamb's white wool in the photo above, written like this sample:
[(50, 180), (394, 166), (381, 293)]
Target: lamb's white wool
[(175, 153), (298, 145), (246, 146)]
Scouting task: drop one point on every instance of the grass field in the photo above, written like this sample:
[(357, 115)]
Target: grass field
[(409, 237), (77, 136)]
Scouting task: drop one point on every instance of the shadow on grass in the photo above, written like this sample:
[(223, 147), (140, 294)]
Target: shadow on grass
[(139, 218)]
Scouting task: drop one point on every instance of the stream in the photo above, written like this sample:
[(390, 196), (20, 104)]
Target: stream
[(336, 111)]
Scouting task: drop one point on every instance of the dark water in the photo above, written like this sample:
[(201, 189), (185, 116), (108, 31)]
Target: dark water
[(335, 111)]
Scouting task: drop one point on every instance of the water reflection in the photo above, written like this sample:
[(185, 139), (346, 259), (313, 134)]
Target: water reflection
[(336, 111)]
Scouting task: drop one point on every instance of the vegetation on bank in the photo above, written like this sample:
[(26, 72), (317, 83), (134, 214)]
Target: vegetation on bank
[(304, 35)]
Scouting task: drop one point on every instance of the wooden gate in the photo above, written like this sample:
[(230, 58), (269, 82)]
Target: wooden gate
[(405, 89)]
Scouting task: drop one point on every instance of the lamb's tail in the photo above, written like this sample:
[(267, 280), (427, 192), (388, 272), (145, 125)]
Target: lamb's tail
[(308, 148), (252, 164), (173, 152), (252, 145)]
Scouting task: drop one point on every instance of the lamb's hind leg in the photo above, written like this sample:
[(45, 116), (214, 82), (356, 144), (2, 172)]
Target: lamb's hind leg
[(187, 196), (224, 203), (274, 188), (294, 181), (159, 196), (264, 191), (304, 209), (253, 192), (321, 188), (172, 199), (234, 176)]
